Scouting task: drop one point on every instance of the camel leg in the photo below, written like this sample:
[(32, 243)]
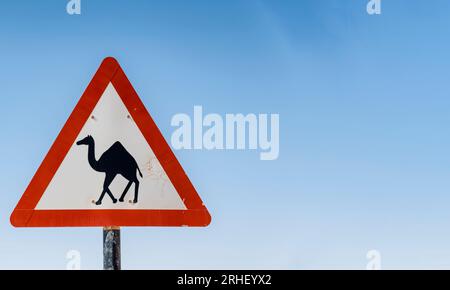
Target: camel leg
[(108, 179), (136, 191), (122, 197), (99, 201), (114, 200)]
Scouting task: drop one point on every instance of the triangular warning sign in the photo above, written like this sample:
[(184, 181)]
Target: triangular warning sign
[(110, 166)]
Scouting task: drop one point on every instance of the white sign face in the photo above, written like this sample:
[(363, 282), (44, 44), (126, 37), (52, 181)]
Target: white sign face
[(98, 169)]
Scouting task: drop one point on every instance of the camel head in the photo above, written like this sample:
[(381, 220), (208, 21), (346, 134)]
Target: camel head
[(86, 141)]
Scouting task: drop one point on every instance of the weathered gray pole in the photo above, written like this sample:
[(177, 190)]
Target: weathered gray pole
[(111, 248)]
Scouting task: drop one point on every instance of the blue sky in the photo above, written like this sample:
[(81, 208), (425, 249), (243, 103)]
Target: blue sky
[(364, 139)]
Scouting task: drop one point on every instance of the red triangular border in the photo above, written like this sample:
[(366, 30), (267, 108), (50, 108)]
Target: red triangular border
[(25, 215)]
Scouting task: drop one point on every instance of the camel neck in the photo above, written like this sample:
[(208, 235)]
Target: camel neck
[(91, 157)]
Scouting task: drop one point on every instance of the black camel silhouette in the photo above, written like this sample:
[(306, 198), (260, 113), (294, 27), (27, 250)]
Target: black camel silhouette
[(115, 160)]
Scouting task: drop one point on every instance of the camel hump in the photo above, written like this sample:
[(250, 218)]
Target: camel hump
[(118, 151), (118, 146)]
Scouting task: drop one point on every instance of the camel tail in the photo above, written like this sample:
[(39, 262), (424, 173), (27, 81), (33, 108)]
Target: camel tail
[(140, 173)]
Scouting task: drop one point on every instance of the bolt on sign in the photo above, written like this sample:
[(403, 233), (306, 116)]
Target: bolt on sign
[(110, 166)]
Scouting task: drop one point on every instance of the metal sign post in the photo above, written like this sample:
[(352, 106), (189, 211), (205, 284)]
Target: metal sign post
[(111, 248)]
